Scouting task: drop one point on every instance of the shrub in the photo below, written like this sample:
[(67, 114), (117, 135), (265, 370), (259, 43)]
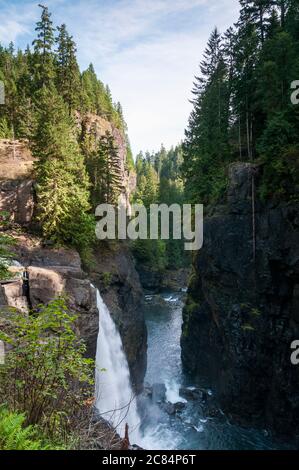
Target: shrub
[(45, 375)]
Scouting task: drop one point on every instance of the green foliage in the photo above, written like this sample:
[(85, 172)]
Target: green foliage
[(241, 106), (62, 182), (151, 253), (255, 312), (190, 308), (14, 435), (44, 91), (68, 74), (280, 158), (104, 168), (159, 181), (247, 327), (43, 58), (5, 131), (147, 184), (206, 147), (45, 375), (107, 278), (129, 160)]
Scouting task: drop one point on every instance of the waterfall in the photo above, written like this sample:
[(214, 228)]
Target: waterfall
[(114, 395)]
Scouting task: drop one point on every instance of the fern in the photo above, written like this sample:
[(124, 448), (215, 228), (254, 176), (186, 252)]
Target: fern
[(15, 436)]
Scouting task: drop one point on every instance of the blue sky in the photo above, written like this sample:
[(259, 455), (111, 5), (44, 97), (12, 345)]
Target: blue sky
[(146, 50)]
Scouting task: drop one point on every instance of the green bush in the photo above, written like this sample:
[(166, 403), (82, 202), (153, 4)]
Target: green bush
[(45, 375)]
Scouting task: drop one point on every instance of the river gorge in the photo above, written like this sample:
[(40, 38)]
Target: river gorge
[(176, 411)]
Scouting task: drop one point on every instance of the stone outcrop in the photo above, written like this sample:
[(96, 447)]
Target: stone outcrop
[(16, 181), (156, 281), (53, 272), (241, 313)]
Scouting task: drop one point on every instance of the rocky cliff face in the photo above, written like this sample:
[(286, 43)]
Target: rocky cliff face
[(53, 272), (242, 313), (16, 181), (17, 169), (98, 126)]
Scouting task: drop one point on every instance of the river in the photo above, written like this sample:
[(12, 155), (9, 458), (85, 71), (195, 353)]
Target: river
[(191, 427)]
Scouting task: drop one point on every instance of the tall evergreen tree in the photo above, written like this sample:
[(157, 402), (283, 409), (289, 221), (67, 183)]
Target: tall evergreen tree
[(104, 169), (43, 56), (252, 68), (68, 74), (206, 144)]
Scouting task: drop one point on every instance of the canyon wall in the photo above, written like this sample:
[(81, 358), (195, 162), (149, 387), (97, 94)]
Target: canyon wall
[(242, 311)]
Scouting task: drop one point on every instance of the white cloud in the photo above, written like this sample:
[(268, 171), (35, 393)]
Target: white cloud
[(15, 21), (148, 63)]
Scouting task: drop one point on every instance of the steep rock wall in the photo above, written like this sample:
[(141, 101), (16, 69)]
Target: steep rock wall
[(242, 314)]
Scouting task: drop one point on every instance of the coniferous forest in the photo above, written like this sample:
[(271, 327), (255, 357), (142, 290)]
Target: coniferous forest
[(117, 344), (45, 91), (242, 108)]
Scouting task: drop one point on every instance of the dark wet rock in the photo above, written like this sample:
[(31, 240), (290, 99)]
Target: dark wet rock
[(241, 313), (179, 406), (169, 408), (156, 281), (193, 393), (53, 272), (173, 408), (150, 279)]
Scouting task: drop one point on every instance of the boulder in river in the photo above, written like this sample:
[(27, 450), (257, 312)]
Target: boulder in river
[(193, 393)]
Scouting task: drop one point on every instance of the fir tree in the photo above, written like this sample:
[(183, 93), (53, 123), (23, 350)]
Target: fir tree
[(68, 75), (43, 56)]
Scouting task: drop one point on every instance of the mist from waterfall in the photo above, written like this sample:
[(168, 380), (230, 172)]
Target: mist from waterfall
[(114, 395)]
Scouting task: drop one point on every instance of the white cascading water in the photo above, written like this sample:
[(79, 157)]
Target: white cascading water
[(114, 395)]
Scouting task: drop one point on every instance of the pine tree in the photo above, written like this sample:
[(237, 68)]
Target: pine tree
[(43, 56), (206, 143), (104, 169), (68, 74), (257, 12)]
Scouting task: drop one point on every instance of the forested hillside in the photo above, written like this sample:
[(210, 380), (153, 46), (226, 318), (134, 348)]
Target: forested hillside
[(242, 109), (46, 96), (159, 181)]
